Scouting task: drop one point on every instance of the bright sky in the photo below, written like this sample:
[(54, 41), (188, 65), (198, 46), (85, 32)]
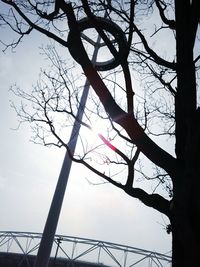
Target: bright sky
[(29, 172)]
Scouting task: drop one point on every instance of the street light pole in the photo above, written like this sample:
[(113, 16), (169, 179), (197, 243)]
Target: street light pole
[(46, 243)]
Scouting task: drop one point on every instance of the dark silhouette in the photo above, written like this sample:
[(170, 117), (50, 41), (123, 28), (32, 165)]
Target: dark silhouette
[(172, 77)]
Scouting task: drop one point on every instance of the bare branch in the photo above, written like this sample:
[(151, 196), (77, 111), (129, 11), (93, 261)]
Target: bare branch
[(33, 25), (161, 7), (151, 200), (158, 60)]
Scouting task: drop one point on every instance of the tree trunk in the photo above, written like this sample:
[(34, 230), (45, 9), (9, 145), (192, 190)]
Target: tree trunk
[(186, 203), (185, 247), (185, 224)]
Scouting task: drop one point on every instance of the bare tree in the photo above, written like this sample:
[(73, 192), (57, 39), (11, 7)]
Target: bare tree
[(161, 49)]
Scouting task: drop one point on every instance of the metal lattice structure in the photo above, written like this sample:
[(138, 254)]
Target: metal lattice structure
[(77, 249)]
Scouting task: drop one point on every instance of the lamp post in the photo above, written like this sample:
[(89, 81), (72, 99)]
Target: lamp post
[(46, 243)]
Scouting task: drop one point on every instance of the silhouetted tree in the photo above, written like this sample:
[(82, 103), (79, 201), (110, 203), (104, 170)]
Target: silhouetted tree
[(161, 47)]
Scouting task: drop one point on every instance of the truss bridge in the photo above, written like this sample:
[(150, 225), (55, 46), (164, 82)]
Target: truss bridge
[(19, 249)]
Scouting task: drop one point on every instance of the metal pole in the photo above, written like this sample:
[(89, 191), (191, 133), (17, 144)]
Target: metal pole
[(46, 243)]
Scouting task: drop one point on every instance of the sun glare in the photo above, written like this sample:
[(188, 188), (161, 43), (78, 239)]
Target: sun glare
[(97, 134)]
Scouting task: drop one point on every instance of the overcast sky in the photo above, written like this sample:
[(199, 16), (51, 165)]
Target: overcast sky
[(29, 172)]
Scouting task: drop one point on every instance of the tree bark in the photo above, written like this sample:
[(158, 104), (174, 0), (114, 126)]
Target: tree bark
[(185, 218), (185, 239)]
